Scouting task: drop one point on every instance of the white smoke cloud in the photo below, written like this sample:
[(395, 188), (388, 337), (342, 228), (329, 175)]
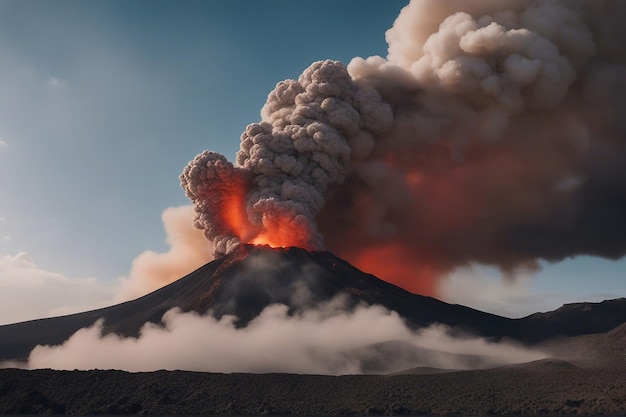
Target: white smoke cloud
[(326, 340), (29, 292), (3, 144)]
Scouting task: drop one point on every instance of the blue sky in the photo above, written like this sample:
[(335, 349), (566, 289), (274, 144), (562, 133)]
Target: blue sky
[(102, 103)]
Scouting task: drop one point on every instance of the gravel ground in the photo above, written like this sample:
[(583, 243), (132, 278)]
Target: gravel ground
[(544, 387)]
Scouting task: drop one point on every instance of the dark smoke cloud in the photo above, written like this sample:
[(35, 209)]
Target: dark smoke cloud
[(492, 133)]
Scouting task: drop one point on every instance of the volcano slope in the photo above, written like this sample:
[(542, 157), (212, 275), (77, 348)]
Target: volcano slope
[(249, 279)]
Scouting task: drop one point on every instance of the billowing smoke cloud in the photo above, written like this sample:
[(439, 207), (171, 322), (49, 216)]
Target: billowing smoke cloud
[(327, 340), (492, 133), (287, 164)]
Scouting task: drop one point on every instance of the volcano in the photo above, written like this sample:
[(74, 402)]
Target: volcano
[(251, 278)]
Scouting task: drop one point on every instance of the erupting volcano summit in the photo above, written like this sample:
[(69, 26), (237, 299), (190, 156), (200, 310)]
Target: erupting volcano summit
[(491, 134), (288, 162)]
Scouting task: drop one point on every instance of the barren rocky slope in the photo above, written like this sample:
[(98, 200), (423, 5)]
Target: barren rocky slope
[(545, 387)]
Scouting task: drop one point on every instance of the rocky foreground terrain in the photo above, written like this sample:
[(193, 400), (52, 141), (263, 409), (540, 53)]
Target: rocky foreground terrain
[(543, 387), (590, 380)]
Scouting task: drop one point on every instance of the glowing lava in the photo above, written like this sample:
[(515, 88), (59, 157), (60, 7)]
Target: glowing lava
[(278, 229), (282, 230), (233, 212)]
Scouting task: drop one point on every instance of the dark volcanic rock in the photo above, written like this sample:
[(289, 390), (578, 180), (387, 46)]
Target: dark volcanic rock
[(547, 387), (253, 277), (575, 319)]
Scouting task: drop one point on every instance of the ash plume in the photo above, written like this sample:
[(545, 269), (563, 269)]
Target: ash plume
[(492, 133), (311, 129)]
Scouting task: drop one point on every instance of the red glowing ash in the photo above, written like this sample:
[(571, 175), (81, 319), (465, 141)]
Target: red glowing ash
[(279, 228), (282, 230), (398, 266)]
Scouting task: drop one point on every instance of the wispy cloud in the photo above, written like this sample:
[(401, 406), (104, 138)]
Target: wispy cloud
[(3, 236), (56, 83), (3, 144), (30, 292)]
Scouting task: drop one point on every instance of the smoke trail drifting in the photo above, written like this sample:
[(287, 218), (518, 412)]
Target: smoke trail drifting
[(492, 133)]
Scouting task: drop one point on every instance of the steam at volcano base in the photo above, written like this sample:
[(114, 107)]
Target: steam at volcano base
[(298, 344), (492, 133)]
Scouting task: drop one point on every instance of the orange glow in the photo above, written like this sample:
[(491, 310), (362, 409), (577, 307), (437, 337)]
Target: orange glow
[(233, 211), (398, 266), (280, 230), (414, 178)]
